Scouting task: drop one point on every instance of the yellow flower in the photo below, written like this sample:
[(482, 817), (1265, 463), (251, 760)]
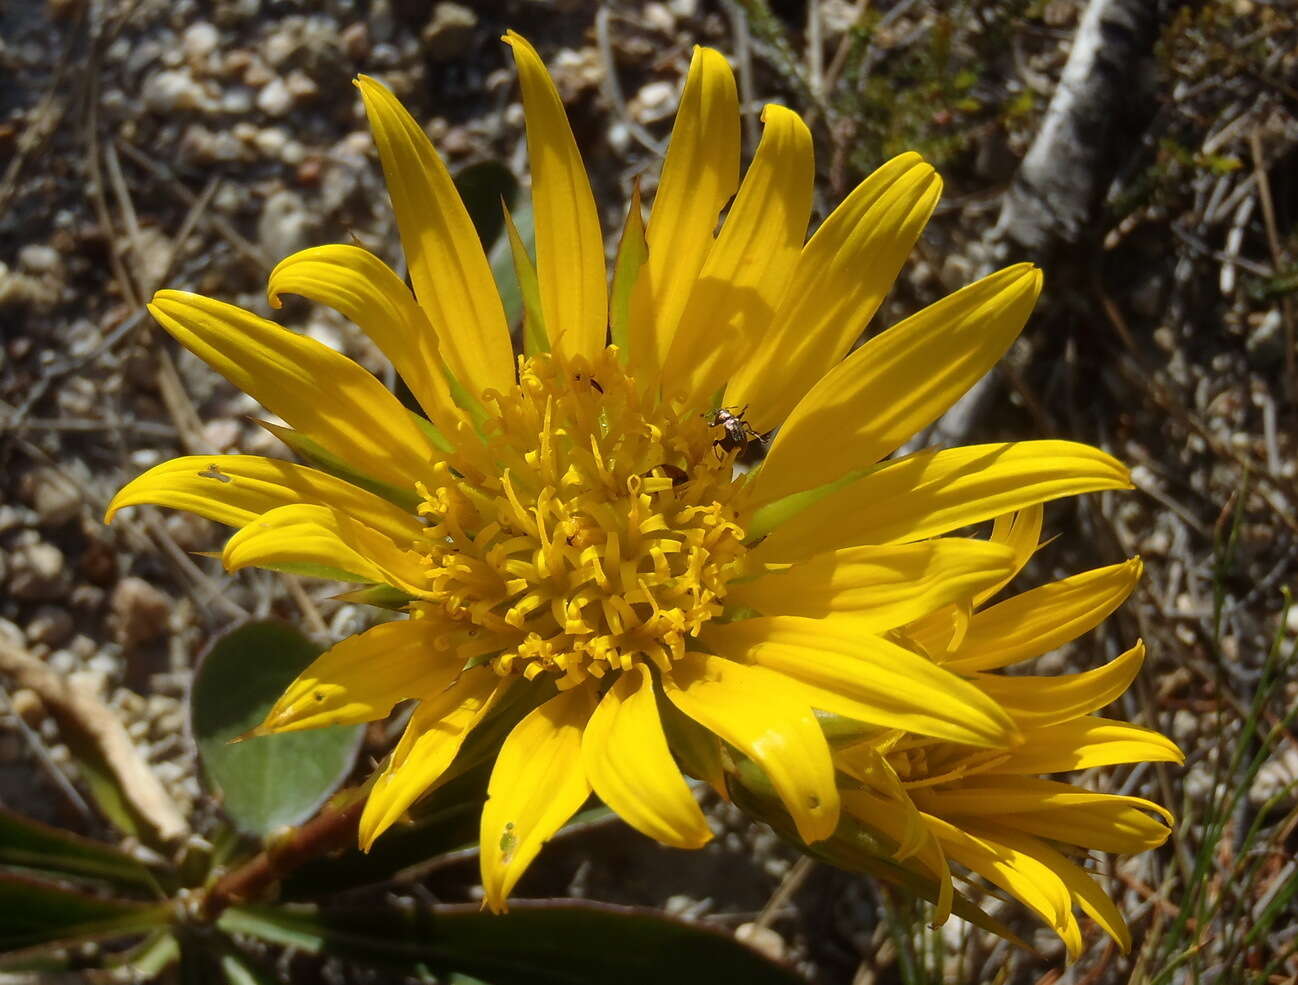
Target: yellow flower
[(567, 531), (989, 810)]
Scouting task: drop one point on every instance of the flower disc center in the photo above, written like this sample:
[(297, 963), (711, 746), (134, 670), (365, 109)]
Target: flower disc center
[(606, 536)]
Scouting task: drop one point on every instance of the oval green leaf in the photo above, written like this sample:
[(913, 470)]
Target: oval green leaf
[(275, 780)]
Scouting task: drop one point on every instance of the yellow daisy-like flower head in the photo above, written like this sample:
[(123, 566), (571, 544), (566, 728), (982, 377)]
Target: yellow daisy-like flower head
[(567, 531), (990, 810)]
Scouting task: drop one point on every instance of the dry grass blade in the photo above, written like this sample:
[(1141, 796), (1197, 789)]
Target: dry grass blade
[(79, 709)]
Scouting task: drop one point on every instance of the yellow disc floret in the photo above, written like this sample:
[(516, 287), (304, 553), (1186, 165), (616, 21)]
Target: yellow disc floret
[(607, 537)]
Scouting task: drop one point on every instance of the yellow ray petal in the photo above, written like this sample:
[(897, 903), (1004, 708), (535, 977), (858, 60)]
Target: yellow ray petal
[(899, 820), (1056, 811), (363, 677), (940, 633), (1086, 742), (569, 244), (842, 275), (880, 587), (1015, 871), (1044, 618), (537, 783), (732, 302), (303, 538), (627, 761), (898, 383), (932, 492), (1036, 701), (699, 177), (749, 708), (236, 489), (1021, 533), (1082, 888), (865, 677), (448, 268), (430, 743), (363, 288), (316, 390), (870, 767)]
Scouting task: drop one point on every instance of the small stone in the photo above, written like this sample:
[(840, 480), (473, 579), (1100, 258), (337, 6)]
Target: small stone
[(301, 86), (200, 40), (762, 939), (355, 40), (657, 17), (10, 633), (237, 101), (274, 98), (139, 611), (49, 625), (270, 141), (285, 225), (63, 662), (173, 90), (1185, 727), (38, 572), (654, 101), (12, 517), (1277, 778), (37, 258), (325, 333), (27, 705), (256, 73), (55, 499), (449, 31), (221, 433), (91, 680)]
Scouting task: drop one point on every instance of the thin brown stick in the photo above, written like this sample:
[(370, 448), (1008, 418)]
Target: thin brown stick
[(1277, 260), (329, 831)]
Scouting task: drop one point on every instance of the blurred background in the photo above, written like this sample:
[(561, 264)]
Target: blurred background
[(1144, 152)]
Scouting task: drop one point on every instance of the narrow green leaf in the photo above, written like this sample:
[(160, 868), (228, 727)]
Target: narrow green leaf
[(535, 337), (501, 258), (381, 596), (33, 845), (432, 433), (33, 913), (632, 252), (274, 780), (556, 942), (771, 515), (315, 454)]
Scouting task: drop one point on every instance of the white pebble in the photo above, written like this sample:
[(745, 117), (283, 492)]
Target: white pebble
[(274, 98), (200, 40)]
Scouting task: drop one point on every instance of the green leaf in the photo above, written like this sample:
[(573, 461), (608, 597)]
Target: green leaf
[(779, 511), (552, 942), (317, 455), (632, 252), (483, 187), (501, 258), (274, 780), (33, 845), (535, 338), (33, 913)]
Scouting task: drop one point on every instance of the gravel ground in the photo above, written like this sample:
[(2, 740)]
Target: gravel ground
[(193, 145)]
